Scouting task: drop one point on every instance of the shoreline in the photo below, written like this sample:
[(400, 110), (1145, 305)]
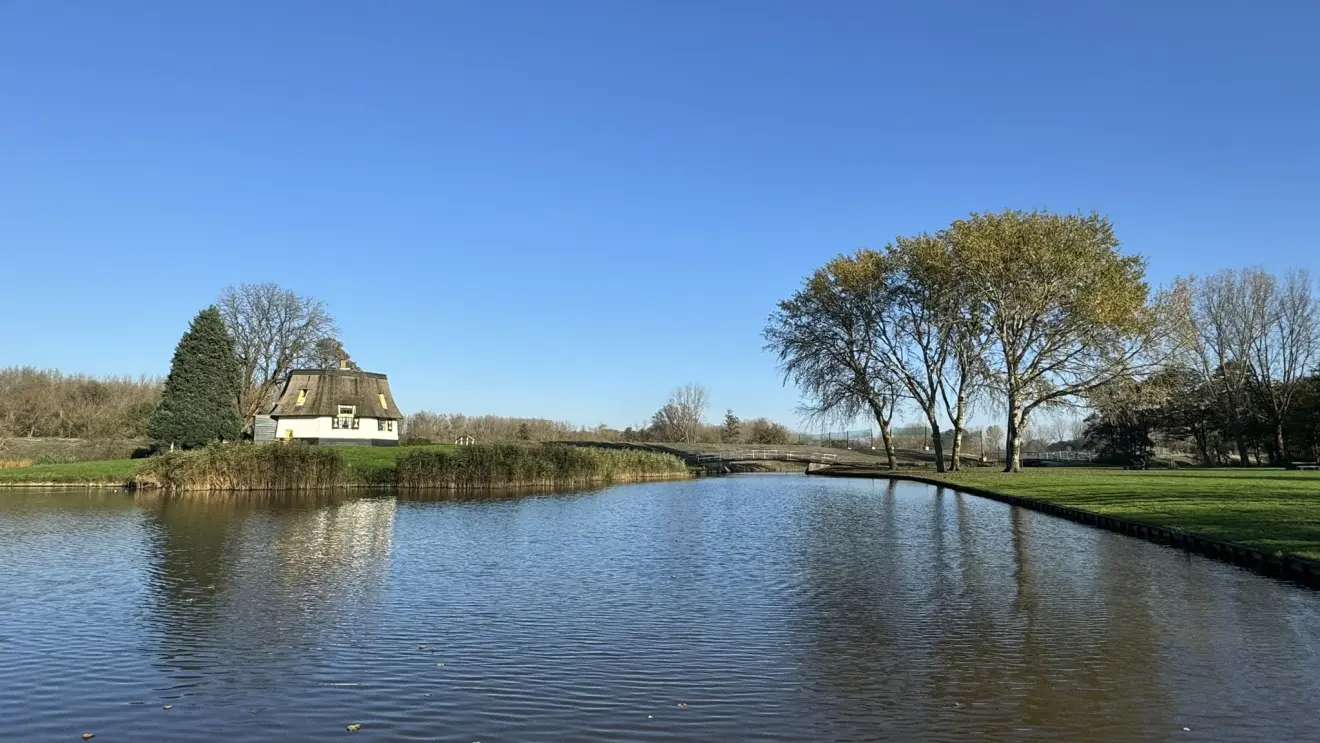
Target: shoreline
[(131, 487), (1281, 565)]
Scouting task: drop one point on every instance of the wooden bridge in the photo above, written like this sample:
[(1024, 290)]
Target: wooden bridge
[(719, 461), (751, 455)]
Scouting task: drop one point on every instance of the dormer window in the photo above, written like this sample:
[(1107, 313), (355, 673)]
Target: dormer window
[(302, 398), (383, 405), (347, 417)]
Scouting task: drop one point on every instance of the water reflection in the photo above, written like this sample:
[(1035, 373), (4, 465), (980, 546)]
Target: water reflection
[(244, 590), (775, 607), (950, 624)]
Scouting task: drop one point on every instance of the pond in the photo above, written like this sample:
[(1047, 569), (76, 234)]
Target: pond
[(761, 607)]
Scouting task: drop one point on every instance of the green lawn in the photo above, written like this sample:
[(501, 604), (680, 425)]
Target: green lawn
[(1272, 510), (106, 472)]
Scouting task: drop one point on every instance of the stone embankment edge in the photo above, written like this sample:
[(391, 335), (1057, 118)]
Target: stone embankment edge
[(1275, 565)]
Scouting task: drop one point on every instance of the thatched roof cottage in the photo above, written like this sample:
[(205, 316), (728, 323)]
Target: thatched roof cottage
[(337, 406)]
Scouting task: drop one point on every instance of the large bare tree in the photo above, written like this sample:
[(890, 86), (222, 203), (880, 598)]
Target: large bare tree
[(1226, 321), (1284, 348), (680, 418), (828, 340), (275, 330), (1066, 311)]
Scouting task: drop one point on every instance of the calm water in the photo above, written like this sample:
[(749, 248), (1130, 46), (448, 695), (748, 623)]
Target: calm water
[(773, 607)]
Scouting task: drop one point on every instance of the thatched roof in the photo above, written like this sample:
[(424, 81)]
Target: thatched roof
[(327, 389)]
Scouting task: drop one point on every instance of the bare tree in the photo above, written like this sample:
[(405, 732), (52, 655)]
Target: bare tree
[(765, 431), (330, 354), (274, 331), (688, 404), (827, 338), (994, 439), (49, 403), (1225, 322), (1284, 349)]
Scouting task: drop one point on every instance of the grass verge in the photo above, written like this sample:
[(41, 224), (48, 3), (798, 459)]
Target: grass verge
[(1270, 510), (107, 472)]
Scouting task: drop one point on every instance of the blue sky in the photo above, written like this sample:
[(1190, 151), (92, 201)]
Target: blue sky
[(563, 209)]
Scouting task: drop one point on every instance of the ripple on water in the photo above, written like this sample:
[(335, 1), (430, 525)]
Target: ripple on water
[(765, 608)]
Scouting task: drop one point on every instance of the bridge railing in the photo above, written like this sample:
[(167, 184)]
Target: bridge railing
[(775, 454)]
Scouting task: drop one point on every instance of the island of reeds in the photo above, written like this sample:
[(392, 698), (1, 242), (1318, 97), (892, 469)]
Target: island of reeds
[(295, 467)]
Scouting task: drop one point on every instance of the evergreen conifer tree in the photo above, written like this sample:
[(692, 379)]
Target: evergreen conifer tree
[(731, 432), (200, 401)]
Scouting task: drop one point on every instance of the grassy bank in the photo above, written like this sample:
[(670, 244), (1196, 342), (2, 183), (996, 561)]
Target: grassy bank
[(109, 472), (247, 467), (1271, 510), (502, 465)]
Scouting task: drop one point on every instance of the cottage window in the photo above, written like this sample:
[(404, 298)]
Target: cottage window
[(347, 417), (389, 425), (380, 425), (302, 398)]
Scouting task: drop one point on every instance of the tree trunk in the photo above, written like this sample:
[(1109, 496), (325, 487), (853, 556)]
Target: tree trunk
[(878, 409), (936, 440), (1202, 446), (1280, 444), (889, 446), (1244, 456), (954, 459), (1013, 439)]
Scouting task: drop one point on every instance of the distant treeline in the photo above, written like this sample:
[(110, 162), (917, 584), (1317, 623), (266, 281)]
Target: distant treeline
[(443, 428), (49, 403)]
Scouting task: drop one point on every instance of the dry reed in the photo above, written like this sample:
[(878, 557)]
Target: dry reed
[(547, 465), (245, 467)]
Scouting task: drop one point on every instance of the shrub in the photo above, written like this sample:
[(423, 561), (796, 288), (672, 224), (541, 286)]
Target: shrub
[(57, 457)]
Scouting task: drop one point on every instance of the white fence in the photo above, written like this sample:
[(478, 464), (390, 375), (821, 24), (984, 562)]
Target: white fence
[(776, 454), (1062, 456)]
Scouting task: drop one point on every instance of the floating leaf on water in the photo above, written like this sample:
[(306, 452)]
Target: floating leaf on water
[(354, 727)]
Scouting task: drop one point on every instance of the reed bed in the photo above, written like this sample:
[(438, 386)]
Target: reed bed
[(546, 465), (245, 467), (13, 464)]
